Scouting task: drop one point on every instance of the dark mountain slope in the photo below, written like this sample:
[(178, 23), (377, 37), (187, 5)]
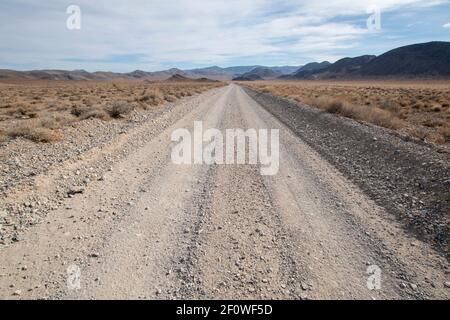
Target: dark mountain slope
[(426, 59)]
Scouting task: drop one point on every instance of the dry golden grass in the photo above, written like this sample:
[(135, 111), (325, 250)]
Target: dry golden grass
[(418, 109), (38, 110), (380, 117)]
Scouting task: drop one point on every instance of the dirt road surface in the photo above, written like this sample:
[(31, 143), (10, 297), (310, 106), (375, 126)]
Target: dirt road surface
[(150, 229)]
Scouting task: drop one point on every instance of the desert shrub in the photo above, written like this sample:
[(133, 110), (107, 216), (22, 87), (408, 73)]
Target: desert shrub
[(434, 123), (154, 98), (34, 133), (64, 119), (366, 113), (77, 111), (119, 109), (18, 112), (48, 123), (169, 98), (418, 105), (327, 104), (382, 118), (436, 108), (32, 115), (391, 107), (372, 115), (418, 132), (178, 95), (334, 106), (445, 133), (94, 113), (3, 136)]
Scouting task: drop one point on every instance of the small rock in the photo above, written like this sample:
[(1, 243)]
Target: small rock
[(17, 293), (76, 190), (94, 255), (447, 284)]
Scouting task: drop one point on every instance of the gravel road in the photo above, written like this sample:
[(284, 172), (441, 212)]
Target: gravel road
[(142, 227)]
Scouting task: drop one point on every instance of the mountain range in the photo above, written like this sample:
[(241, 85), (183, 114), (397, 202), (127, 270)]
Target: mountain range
[(430, 59), (419, 60), (213, 73)]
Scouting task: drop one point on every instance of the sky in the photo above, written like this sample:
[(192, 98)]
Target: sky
[(150, 35)]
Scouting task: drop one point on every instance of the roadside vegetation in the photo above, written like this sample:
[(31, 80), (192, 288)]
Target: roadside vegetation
[(421, 110), (39, 110)]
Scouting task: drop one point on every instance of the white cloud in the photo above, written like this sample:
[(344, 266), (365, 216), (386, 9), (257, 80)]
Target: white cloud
[(447, 25), (179, 31)]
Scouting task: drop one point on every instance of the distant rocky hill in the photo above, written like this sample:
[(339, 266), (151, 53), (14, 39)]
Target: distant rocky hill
[(419, 60), (209, 73), (180, 78), (307, 70), (248, 77), (427, 59), (259, 73), (349, 65)]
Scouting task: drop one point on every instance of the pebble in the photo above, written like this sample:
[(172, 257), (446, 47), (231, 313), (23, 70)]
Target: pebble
[(76, 190)]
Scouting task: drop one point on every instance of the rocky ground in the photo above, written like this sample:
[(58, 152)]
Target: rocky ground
[(406, 176), (107, 201)]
